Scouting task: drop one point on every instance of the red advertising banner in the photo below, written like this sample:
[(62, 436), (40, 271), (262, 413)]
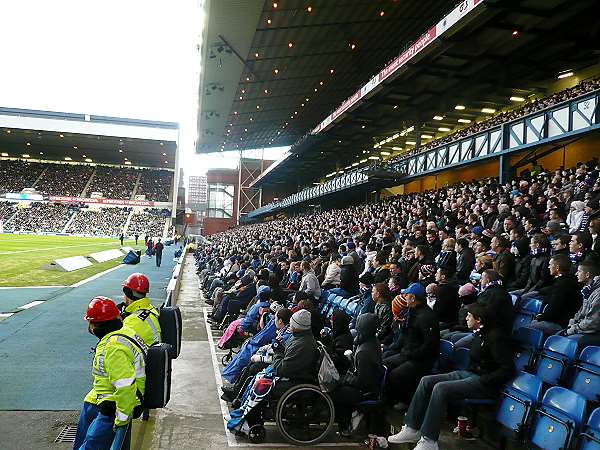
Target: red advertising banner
[(105, 201)]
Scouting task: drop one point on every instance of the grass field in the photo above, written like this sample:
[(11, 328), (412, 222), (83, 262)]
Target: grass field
[(22, 258)]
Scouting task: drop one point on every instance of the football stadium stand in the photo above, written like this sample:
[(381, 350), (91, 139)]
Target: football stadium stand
[(113, 182), (151, 221), (101, 222), (40, 218), (15, 175), (64, 179), (155, 185)]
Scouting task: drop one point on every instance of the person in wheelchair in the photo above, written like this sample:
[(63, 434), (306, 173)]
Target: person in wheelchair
[(294, 363), (362, 382)]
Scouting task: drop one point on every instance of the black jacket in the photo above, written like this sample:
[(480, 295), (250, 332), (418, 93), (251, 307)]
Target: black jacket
[(421, 338), (298, 360), (492, 357), (505, 265), (563, 300), (465, 261), (499, 303), (349, 279), (447, 303), (342, 340), (538, 273), (521, 275), (368, 368)]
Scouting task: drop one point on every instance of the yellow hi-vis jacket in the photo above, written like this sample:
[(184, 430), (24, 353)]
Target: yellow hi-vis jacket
[(142, 317), (119, 371)]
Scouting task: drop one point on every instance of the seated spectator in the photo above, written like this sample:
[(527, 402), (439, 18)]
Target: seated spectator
[(418, 347), (490, 368), (575, 216), (446, 304), (363, 380), (538, 270), (332, 274), (504, 261), (447, 257), (381, 271), (520, 250), (465, 260), (309, 283), (579, 247), (562, 299), (383, 309), (340, 339)]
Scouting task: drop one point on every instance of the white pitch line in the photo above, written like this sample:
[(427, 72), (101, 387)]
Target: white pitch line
[(31, 304), (6, 314), (57, 248), (34, 287), (93, 277)]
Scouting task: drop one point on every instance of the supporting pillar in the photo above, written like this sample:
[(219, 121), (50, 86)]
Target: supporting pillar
[(505, 174)]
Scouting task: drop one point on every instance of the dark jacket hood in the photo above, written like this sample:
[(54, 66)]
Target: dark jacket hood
[(340, 322), (366, 327)]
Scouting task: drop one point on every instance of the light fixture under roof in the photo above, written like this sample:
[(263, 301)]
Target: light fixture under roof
[(68, 158), (75, 147), (166, 162), (464, 121), (128, 163), (164, 154), (488, 110), (385, 153), (443, 129), (363, 127), (88, 159), (396, 148), (309, 8), (411, 143), (120, 151), (3, 154), (362, 161), (565, 75), (83, 156), (355, 164), (426, 136), (373, 157), (61, 135), (438, 117), (459, 107), (26, 155), (8, 131), (517, 99)]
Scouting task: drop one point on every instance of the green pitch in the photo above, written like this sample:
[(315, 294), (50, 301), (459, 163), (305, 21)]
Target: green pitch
[(23, 256)]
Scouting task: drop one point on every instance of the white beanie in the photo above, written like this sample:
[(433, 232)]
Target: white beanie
[(301, 320)]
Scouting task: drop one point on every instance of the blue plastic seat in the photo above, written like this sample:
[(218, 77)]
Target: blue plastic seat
[(558, 353), (590, 438), (526, 311), (586, 379), (518, 400), (529, 341), (461, 358), (558, 419)]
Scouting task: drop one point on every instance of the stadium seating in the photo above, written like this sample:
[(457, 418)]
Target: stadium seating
[(518, 401), (590, 438), (40, 218), (113, 182), (151, 221), (556, 356), (586, 377), (527, 310), (106, 221), (529, 341), (558, 419), (17, 175), (155, 185), (64, 179)]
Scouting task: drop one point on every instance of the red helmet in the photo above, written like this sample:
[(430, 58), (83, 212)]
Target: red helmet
[(137, 282), (101, 309)]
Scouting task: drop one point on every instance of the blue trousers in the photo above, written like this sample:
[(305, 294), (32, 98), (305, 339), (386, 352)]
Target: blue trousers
[(94, 430)]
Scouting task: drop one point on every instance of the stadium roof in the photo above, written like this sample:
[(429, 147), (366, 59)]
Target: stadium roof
[(268, 63), (496, 51), (87, 138)]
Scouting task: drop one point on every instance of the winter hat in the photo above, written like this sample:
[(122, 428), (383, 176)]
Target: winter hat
[(466, 289), (578, 205), (347, 261), (350, 245), (301, 320), (398, 304), (477, 230), (367, 278)]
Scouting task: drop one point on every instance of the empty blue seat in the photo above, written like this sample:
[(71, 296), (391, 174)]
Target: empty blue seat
[(586, 379), (590, 438), (461, 358), (518, 400), (444, 362), (526, 311), (558, 419), (529, 341), (558, 353)]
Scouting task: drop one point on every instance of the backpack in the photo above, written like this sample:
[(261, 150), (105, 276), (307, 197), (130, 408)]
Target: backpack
[(328, 375), (158, 374), (170, 328)]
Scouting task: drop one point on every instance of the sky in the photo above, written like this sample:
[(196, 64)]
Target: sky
[(125, 58)]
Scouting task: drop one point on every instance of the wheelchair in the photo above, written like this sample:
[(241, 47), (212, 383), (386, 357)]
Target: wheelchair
[(303, 414)]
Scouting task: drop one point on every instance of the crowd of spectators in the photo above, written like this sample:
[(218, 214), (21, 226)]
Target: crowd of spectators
[(64, 179), (99, 222), (524, 109), (150, 222), (113, 182), (17, 175), (444, 263), (40, 218), (7, 209), (156, 185)]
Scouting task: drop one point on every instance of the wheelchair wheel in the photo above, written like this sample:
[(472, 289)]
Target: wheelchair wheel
[(257, 434), (304, 414), (225, 359)]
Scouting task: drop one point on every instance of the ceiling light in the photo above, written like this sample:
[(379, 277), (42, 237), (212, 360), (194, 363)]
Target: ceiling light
[(28, 144), (246, 130), (256, 55), (129, 162), (464, 121), (363, 127), (459, 107), (247, 78), (257, 106), (120, 151), (275, 5), (88, 160), (166, 162), (565, 75), (8, 131), (352, 46), (83, 156), (309, 9), (266, 91), (235, 113), (396, 148), (488, 110), (517, 99), (68, 158), (276, 71), (355, 164), (426, 136), (348, 167), (41, 153), (251, 119), (290, 44), (126, 159), (438, 117), (395, 106), (164, 154), (4, 154), (75, 147), (25, 155), (381, 13), (362, 161), (515, 32), (269, 21), (385, 153), (411, 143), (321, 83), (331, 71), (443, 129), (306, 99), (302, 105), (61, 135), (373, 157)]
